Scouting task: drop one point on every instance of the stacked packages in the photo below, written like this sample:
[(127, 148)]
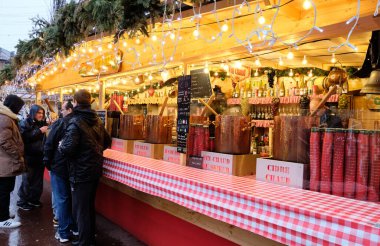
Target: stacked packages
[(345, 163)]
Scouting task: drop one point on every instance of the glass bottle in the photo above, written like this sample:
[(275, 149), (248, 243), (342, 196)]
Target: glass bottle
[(282, 89)]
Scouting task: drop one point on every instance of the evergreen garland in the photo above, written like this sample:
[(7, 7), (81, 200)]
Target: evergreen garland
[(7, 73)]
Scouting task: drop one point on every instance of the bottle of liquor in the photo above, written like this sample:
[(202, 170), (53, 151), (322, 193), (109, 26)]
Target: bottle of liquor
[(254, 115), (260, 94), (297, 89), (248, 88), (282, 89)]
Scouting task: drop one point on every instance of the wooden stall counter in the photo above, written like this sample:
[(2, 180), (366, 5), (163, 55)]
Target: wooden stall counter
[(267, 212)]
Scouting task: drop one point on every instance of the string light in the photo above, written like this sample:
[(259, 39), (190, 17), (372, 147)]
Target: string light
[(280, 62), (304, 61), (290, 55), (333, 59), (238, 64), (154, 38), (310, 74), (110, 46), (291, 73), (306, 4), (354, 19), (100, 49), (165, 75), (150, 77), (196, 33), (124, 81), (137, 80), (138, 41), (256, 74), (257, 62), (225, 27), (216, 74), (261, 20), (172, 36), (125, 44)]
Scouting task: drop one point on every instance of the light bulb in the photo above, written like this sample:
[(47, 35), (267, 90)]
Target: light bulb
[(256, 73), (150, 77), (291, 73), (154, 38), (225, 27), (257, 62), (306, 4), (304, 61), (125, 44), (165, 75), (310, 74), (238, 64), (138, 41), (216, 74), (110, 46), (137, 80), (172, 36), (124, 81), (280, 62), (333, 59), (290, 55), (83, 50), (90, 50), (206, 70), (261, 20), (196, 33), (100, 49)]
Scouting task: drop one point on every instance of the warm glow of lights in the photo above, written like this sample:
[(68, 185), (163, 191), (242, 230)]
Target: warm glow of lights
[(238, 64), (304, 61), (154, 38), (280, 61), (110, 46), (165, 75), (257, 62), (138, 41), (172, 36), (261, 20), (290, 55), (291, 73), (256, 74), (306, 4), (125, 44), (225, 27), (196, 33), (150, 77), (333, 59)]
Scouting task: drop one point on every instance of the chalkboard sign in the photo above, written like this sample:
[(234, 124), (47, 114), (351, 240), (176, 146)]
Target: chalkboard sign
[(103, 116), (183, 101), (200, 84)]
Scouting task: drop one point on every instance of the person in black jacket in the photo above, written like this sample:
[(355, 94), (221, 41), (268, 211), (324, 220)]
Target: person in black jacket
[(33, 131), (83, 144), (59, 173)]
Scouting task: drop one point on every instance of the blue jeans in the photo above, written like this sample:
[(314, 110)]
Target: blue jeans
[(62, 200)]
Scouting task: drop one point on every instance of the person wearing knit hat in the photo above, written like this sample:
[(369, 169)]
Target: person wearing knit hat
[(11, 155)]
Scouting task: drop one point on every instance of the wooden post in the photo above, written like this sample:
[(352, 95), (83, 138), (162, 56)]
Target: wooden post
[(38, 97), (102, 94), (61, 95)]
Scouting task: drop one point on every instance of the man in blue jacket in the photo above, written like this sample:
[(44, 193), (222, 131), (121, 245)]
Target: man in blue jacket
[(58, 166)]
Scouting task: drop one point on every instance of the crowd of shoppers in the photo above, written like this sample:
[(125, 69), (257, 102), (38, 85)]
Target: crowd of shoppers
[(71, 149)]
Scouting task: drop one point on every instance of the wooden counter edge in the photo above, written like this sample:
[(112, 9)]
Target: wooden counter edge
[(222, 229)]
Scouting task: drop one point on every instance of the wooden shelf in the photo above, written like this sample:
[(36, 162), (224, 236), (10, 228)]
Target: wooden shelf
[(263, 123), (151, 100)]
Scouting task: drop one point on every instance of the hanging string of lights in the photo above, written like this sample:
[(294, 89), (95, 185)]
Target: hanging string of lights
[(354, 19)]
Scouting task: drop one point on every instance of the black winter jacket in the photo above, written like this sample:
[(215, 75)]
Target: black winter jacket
[(32, 136), (53, 159), (83, 144)]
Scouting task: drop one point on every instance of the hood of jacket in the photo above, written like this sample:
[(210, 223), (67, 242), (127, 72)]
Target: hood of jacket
[(6, 111), (32, 114), (86, 114)]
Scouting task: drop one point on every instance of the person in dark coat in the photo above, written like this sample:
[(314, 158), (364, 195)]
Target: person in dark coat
[(11, 156), (83, 144), (59, 173), (33, 131)]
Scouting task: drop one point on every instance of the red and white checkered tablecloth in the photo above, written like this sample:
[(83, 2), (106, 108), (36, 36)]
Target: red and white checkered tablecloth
[(284, 214)]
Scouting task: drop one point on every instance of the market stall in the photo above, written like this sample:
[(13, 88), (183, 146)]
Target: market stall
[(237, 131)]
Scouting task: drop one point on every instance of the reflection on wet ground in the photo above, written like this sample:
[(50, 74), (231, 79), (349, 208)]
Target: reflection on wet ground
[(37, 226)]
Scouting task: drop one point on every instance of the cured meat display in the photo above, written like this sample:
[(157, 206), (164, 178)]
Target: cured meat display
[(345, 162)]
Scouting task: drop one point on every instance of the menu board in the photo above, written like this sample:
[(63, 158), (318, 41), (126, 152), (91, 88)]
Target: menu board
[(102, 114), (183, 120), (200, 84)]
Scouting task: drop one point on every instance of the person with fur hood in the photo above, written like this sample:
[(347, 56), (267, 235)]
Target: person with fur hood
[(11, 155)]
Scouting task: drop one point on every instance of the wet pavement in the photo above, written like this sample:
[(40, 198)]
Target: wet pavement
[(37, 226)]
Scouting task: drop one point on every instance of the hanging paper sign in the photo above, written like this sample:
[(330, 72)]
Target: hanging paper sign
[(107, 63)]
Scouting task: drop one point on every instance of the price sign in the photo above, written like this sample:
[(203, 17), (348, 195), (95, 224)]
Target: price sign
[(172, 155), (221, 163), (142, 149)]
